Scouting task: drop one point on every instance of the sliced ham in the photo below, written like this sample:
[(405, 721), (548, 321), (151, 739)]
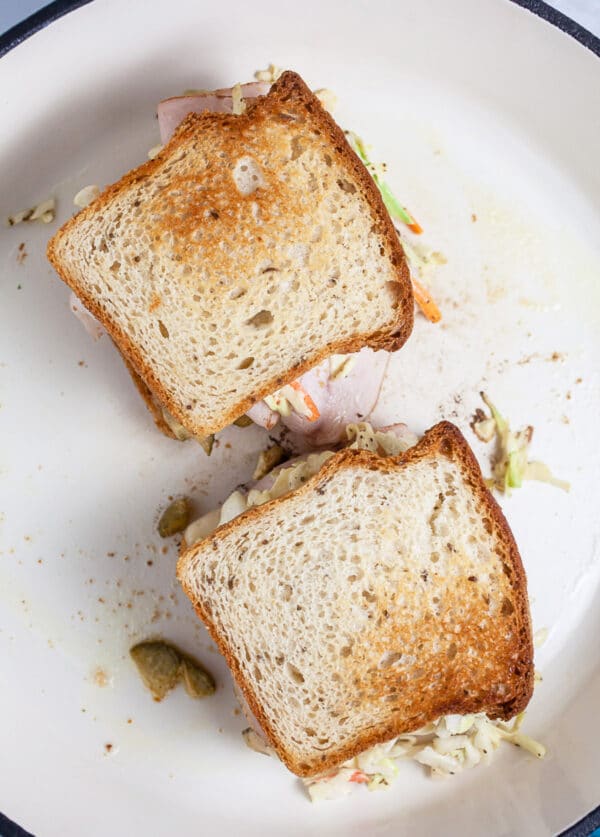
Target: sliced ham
[(267, 482), (342, 400), (250, 90), (171, 112), (263, 416), (88, 321), (248, 713)]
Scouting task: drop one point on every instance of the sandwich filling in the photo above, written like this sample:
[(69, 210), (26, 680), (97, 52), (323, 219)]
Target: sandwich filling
[(447, 746), (344, 388), (317, 406), (291, 475)]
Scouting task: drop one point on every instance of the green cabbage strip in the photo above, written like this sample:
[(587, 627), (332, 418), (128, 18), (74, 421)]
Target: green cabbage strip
[(512, 465), (392, 205)]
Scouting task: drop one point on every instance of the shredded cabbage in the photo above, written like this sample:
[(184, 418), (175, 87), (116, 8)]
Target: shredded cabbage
[(278, 403), (542, 473), (286, 399), (421, 259), (448, 746), (362, 436), (452, 744), (86, 195), (485, 429), (540, 637), (238, 105), (340, 366), (44, 212), (511, 465), (289, 479), (234, 505), (327, 98), (271, 74), (256, 742), (331, 787), (202, 527), (155, 151)]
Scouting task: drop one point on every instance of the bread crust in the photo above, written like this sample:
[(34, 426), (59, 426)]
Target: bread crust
[(444, 439), (148, 398), (289, 86)]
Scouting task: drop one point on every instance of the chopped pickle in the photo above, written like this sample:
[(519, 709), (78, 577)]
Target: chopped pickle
[(243, 421), (197, 681), (207, 443), (175, 518), (159, 666)]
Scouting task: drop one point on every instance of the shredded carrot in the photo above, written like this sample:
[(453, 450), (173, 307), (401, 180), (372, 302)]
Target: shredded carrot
[(415, 227), (411, 222), (425, 302), (359, 777), (314, 413)]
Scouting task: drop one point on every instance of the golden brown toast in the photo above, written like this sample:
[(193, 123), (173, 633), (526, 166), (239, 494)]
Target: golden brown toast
[(249, 249), (381, 595)]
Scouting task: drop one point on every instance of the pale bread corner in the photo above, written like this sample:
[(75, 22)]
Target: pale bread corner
[(176, 262), (384, 593)]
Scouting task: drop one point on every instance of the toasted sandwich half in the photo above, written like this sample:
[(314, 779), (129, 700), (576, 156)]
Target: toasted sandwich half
[(373, 598), (251, 248)]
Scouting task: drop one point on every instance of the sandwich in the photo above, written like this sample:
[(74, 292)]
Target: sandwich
[(252, 248), (371, 604)]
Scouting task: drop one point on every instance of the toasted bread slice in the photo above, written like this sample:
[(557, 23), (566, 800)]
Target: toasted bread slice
[(384, 593), (251, 248)]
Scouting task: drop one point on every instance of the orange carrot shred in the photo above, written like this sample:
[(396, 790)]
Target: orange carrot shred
[(425, 302), (314, 413), (359, 777)]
